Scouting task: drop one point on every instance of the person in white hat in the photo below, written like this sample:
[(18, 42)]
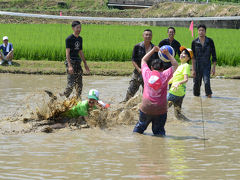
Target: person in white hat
[(84, 107), (6, 55)]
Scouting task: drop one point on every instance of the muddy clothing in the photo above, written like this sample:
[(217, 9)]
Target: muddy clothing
[(175, 45), (176, 101), (75, 45), (136, 80), (139, 51), (202, 56), (75, 79), (154, 100), (158, 123), (134, 84), (81, 109)]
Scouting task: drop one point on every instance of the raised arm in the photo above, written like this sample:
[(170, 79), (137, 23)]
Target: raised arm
[(149, 54), (171, 58)]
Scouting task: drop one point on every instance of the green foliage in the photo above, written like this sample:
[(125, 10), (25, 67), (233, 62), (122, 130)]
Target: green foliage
[(107, 42)]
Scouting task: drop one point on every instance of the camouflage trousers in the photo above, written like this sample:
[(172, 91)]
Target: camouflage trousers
[(134, 84), (74, 80)]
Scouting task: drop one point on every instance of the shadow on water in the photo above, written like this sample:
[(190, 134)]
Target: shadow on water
[(174, 137), (224, 98), (208, 121)]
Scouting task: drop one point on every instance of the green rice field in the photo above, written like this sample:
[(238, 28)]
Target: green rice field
[(107, 42)]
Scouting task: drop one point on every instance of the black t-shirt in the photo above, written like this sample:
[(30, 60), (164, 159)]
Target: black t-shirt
[(175, 45), (138, 53), (75, 45)]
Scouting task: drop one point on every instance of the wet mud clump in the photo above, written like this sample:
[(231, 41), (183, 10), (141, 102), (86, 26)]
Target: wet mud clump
[(48, 118)]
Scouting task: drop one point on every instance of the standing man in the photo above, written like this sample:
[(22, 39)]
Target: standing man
[(139, 51), (172, 42), (203, 48), (7, 52), (73, 62)]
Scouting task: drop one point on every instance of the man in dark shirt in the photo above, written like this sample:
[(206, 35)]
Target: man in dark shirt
[(73, 62), (173, 43), (203, 48), (139, 51)]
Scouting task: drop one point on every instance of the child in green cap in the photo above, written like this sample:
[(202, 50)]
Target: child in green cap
[(84, 107)]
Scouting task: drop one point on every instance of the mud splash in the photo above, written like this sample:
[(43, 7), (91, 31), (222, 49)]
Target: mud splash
[(47, 116)]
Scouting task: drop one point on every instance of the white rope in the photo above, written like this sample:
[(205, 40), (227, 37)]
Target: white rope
[(116, 18)]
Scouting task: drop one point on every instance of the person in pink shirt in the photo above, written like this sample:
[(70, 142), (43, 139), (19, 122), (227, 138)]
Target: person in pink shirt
[(154, 101)]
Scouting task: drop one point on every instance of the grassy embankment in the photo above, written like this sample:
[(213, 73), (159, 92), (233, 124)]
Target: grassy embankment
[(107, 42), (99, 8)]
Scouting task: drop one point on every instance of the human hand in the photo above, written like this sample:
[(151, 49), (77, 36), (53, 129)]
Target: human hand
[(87, 69), (156, 48), (70, 69), (213, 71), (193, 73), (139, 70), (176, 85), (165, 51)]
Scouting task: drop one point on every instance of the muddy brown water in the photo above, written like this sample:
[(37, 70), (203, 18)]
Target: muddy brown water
[(115, 153)]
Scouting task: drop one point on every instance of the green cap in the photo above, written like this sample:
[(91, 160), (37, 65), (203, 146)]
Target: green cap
[(93, 94)]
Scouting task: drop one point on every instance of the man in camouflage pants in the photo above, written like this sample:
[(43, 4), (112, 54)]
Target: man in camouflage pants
[(139, 51), (73, 62)]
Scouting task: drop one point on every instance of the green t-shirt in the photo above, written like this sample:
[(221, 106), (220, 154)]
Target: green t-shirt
[(178, 76), (81, 109)]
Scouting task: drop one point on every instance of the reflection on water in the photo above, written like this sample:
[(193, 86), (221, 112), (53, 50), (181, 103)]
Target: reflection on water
[(116, 153)]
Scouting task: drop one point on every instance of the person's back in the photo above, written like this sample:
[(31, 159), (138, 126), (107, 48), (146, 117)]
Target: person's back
[(154, 102)]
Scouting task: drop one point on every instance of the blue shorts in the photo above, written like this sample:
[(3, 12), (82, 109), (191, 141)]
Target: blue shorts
[(158, 123), (174, 98), (177, 100)]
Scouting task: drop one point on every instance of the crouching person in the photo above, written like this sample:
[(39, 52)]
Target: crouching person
[(154, 102), (7, 52)]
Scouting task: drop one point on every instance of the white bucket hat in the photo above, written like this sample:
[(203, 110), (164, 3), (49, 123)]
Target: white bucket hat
[(5, 38)]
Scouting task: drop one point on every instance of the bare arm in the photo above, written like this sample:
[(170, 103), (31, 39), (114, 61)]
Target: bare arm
[(136, 66), (70, 68), (84, 61), (214, 68), (181, 82), (149, 54), (172, 59)]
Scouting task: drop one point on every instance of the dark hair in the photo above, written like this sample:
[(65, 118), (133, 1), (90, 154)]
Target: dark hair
[(75, 23), (171, 28), (148, 30), (157, 64), (202, 26), (187, 52)]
